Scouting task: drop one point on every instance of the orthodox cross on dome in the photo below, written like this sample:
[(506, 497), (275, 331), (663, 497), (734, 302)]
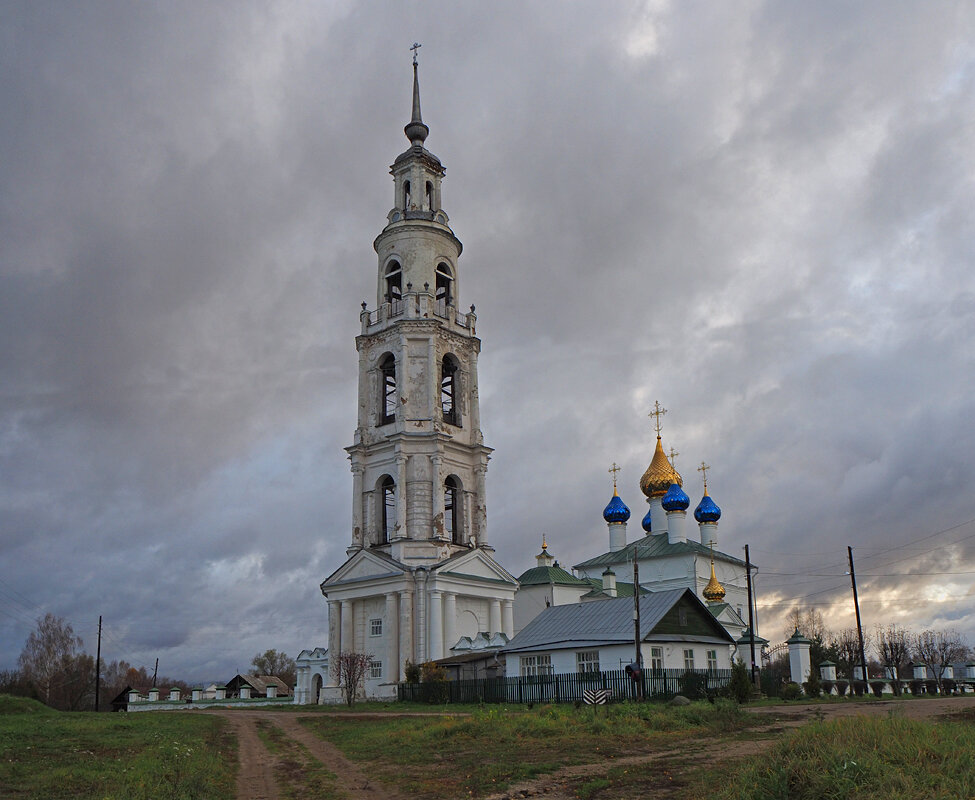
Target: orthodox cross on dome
[(614, 469), (658, 412), (416, 46), (673, 457), (703, 469)]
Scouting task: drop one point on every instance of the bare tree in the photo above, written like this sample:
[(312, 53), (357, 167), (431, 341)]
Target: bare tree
[(350, 669), (937, 650), (894, 649), (847, 644), (48, 654), (271, 662)]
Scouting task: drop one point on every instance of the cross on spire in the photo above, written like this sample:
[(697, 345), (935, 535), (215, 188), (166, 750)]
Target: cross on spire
[(416, 46), (703, 469), (673, 457), (614, 469), (658, 412)]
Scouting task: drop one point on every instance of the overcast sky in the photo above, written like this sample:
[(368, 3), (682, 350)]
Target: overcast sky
[(759, 214)]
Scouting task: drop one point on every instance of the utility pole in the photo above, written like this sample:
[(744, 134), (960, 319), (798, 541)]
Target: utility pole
[(155, 672), (751, 616), (636, 622), (98, 663), (856, 605)]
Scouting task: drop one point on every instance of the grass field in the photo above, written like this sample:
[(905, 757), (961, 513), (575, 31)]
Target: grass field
[(447, 757), (48, 755)]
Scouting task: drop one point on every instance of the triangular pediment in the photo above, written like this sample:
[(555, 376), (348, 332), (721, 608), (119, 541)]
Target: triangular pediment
[(476, 564), (363, 565)]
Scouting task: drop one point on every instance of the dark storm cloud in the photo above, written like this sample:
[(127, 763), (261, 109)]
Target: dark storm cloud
[(758, 214)]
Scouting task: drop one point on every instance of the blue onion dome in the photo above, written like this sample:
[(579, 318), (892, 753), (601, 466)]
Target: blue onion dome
[(675, 499), (646, 522), (707, 510), (616, 511)]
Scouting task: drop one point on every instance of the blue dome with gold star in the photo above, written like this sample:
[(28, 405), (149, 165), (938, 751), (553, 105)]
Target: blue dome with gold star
[(675, 499), (646, 522), (707, 510), (616, 511)]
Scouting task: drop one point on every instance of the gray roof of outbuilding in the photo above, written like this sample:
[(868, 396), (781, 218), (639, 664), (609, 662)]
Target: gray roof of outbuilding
[(655, 546), (605, 622)]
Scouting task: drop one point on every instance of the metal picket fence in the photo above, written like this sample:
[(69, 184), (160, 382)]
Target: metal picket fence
[(661, 684)]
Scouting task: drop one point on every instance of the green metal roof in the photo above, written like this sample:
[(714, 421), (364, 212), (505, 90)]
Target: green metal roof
[(655, 546), (549, 575)]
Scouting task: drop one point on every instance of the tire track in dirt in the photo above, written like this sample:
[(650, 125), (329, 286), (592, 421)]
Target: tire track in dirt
[(255, 778)]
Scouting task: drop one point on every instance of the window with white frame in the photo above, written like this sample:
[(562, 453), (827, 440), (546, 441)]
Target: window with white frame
[(689, 659), (376, 627), (712, 660), (587, 661), (532, 666), (656, 658), (375, 669)]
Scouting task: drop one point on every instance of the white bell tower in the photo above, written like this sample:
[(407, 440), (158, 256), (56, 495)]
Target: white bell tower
[(418, 459)]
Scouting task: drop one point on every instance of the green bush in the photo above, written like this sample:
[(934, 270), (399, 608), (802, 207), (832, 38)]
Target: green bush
[(694, 685), (841, 688), (812, 687), (740, 685), (792, 691), (433, 684), (828, 688), (859, 687), (877, 687), (917, 687), (412, 672)]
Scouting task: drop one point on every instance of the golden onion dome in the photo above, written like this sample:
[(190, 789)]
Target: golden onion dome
[(714, 591), (659, 475)]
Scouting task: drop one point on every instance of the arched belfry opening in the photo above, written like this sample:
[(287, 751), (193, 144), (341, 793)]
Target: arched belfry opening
[(448, 390), (452, 511), (445, 287), (387, 391), (429, 198), (393, 277), (406, 196), (387, 508)]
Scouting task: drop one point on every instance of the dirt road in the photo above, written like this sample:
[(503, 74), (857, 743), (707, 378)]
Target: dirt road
[(256, 779)]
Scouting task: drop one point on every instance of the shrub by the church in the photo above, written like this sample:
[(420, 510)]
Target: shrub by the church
[(812, 687), (948, 685), (412, 672), (858, 687), (917, 687), (694, 685), (931, 686), (827, 688), (791, 691), (740, 685), (877, 687), (433, 684), (841, 688)]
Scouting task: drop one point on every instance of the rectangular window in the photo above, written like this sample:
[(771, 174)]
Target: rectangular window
[(376, 627), (712, 660), (587, 661), (532, 666), (682, 616), (375, 669), (656, 658), (688, 659)]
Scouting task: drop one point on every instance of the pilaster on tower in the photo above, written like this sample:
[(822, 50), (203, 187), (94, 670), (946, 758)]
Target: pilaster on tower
[(418, 457)]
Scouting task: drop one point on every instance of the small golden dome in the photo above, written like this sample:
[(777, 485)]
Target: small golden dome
[(714, 591), (659, 475)]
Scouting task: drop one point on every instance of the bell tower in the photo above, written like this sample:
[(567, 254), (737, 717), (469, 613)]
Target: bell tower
[(418, 457)]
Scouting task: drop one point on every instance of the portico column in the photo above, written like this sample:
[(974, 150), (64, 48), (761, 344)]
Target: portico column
[(450, 621), (346, 643), (508, 618), (400, 496), (436, 626), (494, 617), (405, 627), (334, 630), (391, 634)]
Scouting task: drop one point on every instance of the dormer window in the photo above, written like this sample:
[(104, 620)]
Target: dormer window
[(387, 399), (445, 280), (394, 282), (448, 391)]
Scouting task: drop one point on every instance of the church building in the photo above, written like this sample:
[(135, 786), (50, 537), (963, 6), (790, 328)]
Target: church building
[(420, 574)]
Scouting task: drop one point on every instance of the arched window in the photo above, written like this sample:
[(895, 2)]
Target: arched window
[(406, 195), (429, 196), (448, 391), (388, 510), (451, 510), (445, 280), (394, 282), (387, 397)]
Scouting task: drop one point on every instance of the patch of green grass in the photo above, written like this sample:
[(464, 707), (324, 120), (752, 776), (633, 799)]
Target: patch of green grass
[(298, 774), (858, 757), (462, 756), (9, 704), (50, 755)]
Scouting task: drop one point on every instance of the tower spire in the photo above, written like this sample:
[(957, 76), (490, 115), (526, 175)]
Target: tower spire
[(416, 131)]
